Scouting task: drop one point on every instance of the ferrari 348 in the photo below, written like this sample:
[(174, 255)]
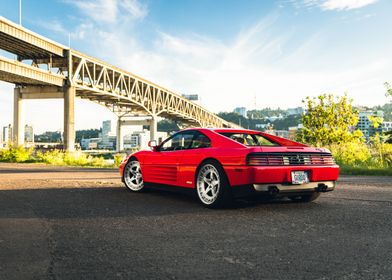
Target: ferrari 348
[(220, 164)]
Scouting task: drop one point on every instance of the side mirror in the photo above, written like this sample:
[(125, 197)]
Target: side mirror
[(153, 145)]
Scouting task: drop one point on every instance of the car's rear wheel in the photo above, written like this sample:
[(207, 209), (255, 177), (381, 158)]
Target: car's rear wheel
[(212, 185), (306, 197), (133, 178)]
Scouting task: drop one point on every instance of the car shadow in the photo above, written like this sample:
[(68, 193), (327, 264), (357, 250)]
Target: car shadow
[(64, 203)]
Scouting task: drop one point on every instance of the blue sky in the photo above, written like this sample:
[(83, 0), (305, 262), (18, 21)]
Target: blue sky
[(231, 53)]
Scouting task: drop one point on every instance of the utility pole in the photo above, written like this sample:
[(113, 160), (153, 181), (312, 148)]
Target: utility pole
[(20, 12)]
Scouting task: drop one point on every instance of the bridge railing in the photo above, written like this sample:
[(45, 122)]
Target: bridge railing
[(96, 76)]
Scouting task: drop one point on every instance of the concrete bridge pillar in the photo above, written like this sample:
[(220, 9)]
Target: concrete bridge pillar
[(69, 118), (153, 128), (18, 129), (120, 137)]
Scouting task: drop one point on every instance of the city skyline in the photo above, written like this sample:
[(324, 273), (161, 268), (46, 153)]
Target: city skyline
[(296, 48)]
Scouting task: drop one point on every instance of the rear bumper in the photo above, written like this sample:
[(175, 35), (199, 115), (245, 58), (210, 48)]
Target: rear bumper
[(321, 186), (279, 175), (282, 190)]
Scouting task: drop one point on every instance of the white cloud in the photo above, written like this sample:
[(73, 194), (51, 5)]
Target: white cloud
[(133, 7), (329, 5), (52, 25), (110, 11), (340, 5)]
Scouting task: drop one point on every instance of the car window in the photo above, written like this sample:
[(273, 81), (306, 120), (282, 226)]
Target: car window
[(200, 141), (179, 141), (249, 139), (262, 141)]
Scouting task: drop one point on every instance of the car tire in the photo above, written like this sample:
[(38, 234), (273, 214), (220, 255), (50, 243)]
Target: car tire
[(132, 176), (306, 197), (212, 186)]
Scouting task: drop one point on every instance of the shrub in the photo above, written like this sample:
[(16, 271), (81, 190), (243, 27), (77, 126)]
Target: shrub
[(16, 154), (118, 159), (55, 157), (351, 153), (377, 155), (98, 162), (76, 158), (381, 152)]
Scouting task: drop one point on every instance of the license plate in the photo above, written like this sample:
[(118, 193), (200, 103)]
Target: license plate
[(299, 177)]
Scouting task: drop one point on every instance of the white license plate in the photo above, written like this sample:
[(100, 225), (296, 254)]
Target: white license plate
[(299, 177)]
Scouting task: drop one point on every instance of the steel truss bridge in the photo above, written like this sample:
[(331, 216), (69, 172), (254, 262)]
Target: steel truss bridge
[(46, 69)]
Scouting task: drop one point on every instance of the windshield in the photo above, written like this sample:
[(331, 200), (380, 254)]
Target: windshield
[(249, 139)]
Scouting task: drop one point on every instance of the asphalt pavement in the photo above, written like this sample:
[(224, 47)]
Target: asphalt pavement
[(76, 223)]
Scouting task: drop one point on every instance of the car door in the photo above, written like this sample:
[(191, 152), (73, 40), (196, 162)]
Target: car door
[(161, 166), (191, 158)]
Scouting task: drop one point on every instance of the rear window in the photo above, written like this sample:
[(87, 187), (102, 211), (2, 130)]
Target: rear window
[(249, 139)]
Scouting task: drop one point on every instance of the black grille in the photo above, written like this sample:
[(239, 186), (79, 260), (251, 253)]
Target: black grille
[(290, 159)]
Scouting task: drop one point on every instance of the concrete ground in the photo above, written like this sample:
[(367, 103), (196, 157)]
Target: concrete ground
[(75, 223)]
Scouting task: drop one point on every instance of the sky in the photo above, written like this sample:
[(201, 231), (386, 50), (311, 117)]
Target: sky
[(231, 53)]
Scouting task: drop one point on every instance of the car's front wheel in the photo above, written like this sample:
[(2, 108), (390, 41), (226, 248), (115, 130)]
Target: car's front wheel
[(133, 178), (212, 185)]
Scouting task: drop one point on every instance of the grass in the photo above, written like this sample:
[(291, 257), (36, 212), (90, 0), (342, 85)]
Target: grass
[(56, 157), (368, 171)]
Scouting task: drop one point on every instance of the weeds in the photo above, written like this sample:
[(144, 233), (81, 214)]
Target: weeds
[(54, 157)]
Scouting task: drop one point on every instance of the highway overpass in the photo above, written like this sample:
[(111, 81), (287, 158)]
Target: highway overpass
[(45, 69)]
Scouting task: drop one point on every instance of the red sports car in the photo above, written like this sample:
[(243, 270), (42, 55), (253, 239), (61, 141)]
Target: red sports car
[(223, 163)]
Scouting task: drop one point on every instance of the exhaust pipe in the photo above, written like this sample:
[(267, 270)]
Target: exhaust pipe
[(273, 191), (322, 187)]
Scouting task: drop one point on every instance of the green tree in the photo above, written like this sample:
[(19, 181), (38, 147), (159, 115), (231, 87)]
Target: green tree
[(286, 122), (167, 125), (86, 134), (235, 118), (264, 113), (327, 120)]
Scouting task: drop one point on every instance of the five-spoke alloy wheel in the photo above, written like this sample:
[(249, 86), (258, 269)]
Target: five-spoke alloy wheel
[(133, 176), (212, 186)]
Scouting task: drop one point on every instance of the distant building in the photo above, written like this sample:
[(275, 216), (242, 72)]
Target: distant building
[(274, 118), (192, 97), (386, 126), (365, 125), (240, 111), (295, 111), (262, 125), (7, 134), (140, 139), (132, 141), (108, 136), (29, 134), (89, 144)]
